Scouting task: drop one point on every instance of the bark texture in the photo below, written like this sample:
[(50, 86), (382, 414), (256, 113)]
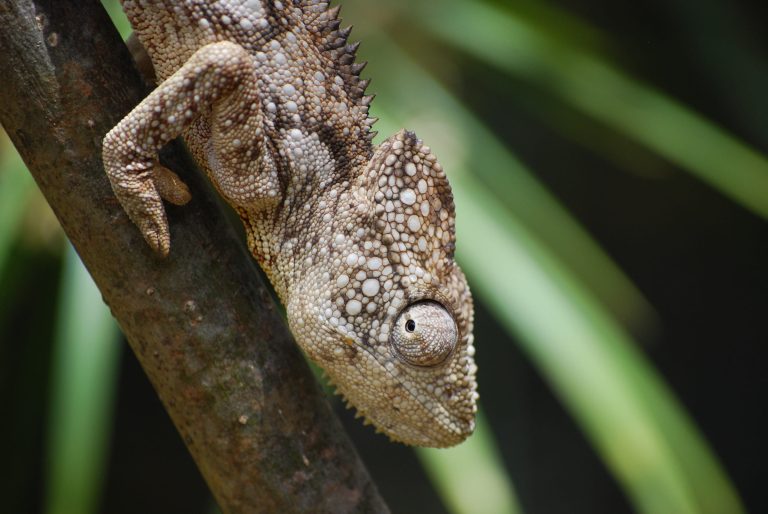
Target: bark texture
[(201, 322)]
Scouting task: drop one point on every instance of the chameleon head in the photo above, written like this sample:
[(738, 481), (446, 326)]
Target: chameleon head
[(392, 326)]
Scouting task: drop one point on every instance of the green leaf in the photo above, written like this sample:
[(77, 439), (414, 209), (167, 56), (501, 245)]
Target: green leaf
[(84, 375), (598, 89), (118, 17), (471, 478), (623, 406), (16, 184)]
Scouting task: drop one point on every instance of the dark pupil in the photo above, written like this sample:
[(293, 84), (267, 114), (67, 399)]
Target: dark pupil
[(410, 325)]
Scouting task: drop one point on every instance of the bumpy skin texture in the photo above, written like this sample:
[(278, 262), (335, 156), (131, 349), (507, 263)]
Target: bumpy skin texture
[(358, 241)]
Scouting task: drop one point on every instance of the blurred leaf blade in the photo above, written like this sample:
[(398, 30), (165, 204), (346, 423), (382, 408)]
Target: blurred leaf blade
[(586, 82), (15, 187), (85, 370), (632, 419), (470, 478), (118, 17)]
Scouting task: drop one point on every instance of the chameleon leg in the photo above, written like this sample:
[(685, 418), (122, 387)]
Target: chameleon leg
[(210, 77), (239, 158)]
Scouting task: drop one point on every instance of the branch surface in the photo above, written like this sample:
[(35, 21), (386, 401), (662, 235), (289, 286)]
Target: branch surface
[(201, 322)]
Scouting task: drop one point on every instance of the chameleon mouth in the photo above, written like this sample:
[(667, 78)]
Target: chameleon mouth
[(417, 436), (435, 434)]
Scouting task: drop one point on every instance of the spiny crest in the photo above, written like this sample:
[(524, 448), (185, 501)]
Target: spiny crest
[(323, 21), (358, 413)]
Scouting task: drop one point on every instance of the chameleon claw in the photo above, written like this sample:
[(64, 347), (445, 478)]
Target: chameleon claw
[(153, 225), (159, 241)]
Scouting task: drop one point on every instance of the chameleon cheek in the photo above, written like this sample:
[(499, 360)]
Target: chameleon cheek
[(424, 334)]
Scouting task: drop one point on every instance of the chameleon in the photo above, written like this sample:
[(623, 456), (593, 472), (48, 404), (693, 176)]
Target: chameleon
[(357, 239)]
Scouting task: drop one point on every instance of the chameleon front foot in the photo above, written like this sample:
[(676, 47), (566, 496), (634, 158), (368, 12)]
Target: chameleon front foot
[(146, 208), (217, 78), (140, 188)]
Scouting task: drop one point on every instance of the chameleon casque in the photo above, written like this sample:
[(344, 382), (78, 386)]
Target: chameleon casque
[(357, 240)]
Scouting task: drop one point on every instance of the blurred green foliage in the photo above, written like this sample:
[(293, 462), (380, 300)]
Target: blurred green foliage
[(530, 262), (84, 370)]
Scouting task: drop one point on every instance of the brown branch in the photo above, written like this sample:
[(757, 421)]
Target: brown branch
[(201, 322)]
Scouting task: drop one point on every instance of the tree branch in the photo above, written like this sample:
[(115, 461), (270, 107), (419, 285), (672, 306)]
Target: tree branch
[(201, 322)]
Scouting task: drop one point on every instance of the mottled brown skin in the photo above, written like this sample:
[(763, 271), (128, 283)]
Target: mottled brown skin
[(358, 241)]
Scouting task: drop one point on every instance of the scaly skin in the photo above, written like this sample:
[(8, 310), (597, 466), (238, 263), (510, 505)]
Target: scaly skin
[(358, 241)]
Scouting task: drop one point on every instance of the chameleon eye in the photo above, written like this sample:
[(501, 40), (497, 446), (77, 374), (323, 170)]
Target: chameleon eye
[(424, 334)]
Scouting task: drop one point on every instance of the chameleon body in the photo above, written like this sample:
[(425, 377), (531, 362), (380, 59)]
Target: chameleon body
[(357, 240)]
